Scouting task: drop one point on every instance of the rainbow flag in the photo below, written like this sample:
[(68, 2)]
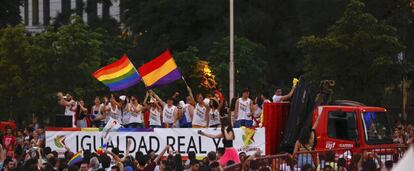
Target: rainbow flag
[(160, 71), (76, 158), (119, 75)]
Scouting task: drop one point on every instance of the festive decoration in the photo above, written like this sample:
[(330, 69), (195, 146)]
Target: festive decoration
[(160, 71), (78, 157), (207, 76), (118, 75)]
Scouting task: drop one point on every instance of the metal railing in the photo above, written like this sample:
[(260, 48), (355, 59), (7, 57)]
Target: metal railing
[(335, 158)]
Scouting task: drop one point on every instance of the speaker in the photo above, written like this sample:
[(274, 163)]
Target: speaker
[(63, 121)]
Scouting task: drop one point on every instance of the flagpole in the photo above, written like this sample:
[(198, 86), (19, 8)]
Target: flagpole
[(185, 82), (231, 64)]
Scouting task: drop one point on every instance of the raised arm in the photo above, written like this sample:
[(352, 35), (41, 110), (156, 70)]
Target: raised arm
[(114, 156), (162, 153), (210, 135), (146, 98), (190, 93), (289, 95), (128, 147), (158, 98)]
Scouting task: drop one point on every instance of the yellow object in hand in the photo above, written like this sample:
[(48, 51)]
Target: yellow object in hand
[(295, 81)]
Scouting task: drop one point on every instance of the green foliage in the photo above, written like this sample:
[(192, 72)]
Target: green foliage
[(35, 68), (250, 66), (358, 52)]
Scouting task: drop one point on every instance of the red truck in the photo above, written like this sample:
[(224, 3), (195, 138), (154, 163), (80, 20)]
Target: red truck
[(354, 127)]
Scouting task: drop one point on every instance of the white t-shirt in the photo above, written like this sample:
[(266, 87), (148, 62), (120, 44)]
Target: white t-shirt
[(214, 117), (155, 117), (244, 109), (276, 99), (168, 114), (199, 116), (68, 111), (138, 114), (126, 115), (115, 113)]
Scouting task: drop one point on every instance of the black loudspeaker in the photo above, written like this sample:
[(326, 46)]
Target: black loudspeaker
[(63, 121)]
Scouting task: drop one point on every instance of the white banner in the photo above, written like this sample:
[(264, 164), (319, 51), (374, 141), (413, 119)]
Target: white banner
[(182, 140)]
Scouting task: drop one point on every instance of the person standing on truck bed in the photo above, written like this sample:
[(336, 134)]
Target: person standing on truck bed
[(244, 110), (278, 97)]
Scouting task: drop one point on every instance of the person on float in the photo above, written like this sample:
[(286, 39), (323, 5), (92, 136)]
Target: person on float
[(114, 110), (244, 110), (136, 119), (69, 104), (228, 136), (97, 113), (155, 110), (187, 110), (126, 110), (81, 115), (278, 97), (215, 113), (201, 113), (169, 111)]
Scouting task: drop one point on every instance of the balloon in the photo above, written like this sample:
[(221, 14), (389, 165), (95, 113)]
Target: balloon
[(99, 151)]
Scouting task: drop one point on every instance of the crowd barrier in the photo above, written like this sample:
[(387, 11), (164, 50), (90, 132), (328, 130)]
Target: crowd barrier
[(320, 158)]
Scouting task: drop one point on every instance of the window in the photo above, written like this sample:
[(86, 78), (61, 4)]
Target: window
[(377, 127), (342, 125)]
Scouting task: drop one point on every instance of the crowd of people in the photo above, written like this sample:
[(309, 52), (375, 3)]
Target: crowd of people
[(192, 112), (403, 133), (24, 149)]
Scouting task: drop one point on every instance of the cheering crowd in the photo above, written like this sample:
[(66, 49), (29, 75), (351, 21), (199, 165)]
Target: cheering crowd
[(24, 149), (192, 112)]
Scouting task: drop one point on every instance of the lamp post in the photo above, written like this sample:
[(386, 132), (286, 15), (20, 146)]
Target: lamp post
[(231, 64)]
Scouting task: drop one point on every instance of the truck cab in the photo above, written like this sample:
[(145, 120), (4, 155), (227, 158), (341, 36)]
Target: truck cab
[(354, 127)]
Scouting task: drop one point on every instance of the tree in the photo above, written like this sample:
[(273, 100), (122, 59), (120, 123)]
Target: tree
[(250, 66), (358, 52), (13, 45), (10, 13)]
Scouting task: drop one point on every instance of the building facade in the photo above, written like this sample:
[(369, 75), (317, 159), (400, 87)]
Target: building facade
[(37, 14)]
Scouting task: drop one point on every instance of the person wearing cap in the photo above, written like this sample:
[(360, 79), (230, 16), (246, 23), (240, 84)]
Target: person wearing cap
[(243, 110)]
